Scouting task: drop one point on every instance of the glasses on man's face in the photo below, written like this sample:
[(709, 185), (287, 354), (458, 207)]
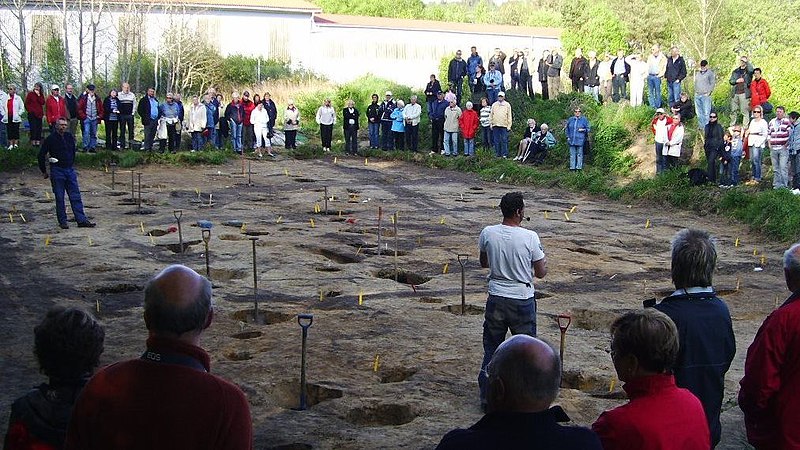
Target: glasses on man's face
[(756, 112), (713, 117)]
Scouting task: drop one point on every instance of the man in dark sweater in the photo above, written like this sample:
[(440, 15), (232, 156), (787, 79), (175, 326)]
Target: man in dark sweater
[(704, 324), (524, 377), (166, 399), (61, 148)]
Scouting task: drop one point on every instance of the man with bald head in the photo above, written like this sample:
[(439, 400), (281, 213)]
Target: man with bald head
[(770, 390), (166, 399), (524, 377)]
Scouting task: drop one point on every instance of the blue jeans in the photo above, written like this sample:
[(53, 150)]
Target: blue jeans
[(89, 134), (755, 160), (780, 166), (3, 135), (487, 137), (450, 143), (197, 140), (702, 104), (654, 91), (374, 134), (795, 159), (673, 92), (735, 161), (491, 94), (431, 105), (500, 139), (212, 136), (575, 157), (469, 147), (659, 158), (236, 136), (65, 180), (502, 314)]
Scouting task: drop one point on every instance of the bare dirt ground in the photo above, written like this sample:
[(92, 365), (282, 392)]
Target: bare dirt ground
[(396, 370)]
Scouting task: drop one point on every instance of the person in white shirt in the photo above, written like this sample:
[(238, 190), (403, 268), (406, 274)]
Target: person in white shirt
[(509, 251), (197, 123), (756, 135), (674, 144), (260, 120), (604, 73), (326, 118), (411, 114), (656, 67), (637, 78), (659, 126)]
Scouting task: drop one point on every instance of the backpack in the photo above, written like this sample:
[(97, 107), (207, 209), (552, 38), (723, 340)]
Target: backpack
[(697, 177)]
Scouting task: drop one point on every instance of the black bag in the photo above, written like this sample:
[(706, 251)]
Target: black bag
[(697, 177)]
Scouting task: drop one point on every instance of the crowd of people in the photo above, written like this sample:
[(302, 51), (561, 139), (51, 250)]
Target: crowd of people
[(671, 356)]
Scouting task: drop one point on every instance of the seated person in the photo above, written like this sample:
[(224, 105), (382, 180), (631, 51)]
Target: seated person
[(530, 130), (524, 376), (644, 348), (68, 344), (539, 146), (684, 107)]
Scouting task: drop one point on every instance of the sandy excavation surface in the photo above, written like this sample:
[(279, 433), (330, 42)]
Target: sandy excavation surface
[(397, 370)]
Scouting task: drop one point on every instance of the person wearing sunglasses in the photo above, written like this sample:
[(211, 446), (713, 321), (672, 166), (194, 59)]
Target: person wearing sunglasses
[(756, 135), (714, 143)]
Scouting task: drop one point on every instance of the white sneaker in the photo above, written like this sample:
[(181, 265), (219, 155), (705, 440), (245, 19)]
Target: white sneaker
[(796, 191)]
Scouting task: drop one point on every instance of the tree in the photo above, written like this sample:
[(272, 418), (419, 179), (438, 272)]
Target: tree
[(54, 66), (592, 26), (15, 35), (699, 21)]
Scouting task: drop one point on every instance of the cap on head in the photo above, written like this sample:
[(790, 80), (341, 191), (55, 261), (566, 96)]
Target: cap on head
[(54, 87), (660, 111), (501, 94), (389, 93), (90, 87)]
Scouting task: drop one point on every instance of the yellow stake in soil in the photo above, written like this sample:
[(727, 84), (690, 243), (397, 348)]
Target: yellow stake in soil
[(335, 160), (366, 161), (763, 259), (738, 283), (97, 302), (312, 223), (736, 243), (316, 208), (566, 216), (141, 225), (755, 251), (392, 217), (320, 295), (358, 250), (647, 223), (360, 297), (572, 210), (47, 240), (90, 241), (279, 220), (23, 218), (340, 213), (286, 172), (47, 194), (197, 191), (613, 384), (11, 217), (546, 215), (446, 266), (376, 364), (152, 241), (244, 227), (441, 222)]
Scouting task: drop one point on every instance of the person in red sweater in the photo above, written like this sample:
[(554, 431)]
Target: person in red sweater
[(166, 399), (56, 107), (770, 390), (34, 104), (248, 134), (759, 91), (469, 124), (659, 415)]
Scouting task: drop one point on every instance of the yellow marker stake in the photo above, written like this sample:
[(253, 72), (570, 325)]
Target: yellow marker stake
[(755, 251), (392, 217), (572, 210), (141, 225), (316, 208), (320, 295), (90, 241), (11, 217), (441, 222), (546, 215), (763, 259), (566, 216), (152, 241), (335, 160), (97, 302), (376, 364), (47, 194), (197, 191), (360, 297), (647, 223), (23, 218), (358, 250), (244, 227), (286, 172), (340, 213), (613, 384), (106, 167), (736, 243), (738, 283), (47, 240), (312, 223), (280, 219), (366, 161), (446, 266)]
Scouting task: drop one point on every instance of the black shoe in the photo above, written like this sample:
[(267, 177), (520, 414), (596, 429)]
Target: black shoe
[(64, 226), (86, 224)]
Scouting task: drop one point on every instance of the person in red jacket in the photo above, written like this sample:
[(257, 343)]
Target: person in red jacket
[(34, 104), (469, 124), (770, 390), (167, 399), (759, 91), (659, 415), (248, 134), (55, 107)]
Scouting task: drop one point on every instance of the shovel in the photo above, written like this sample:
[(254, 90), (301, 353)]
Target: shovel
[(564, 320), (178, 213), (305, 321), (463, 282), (206, 233)]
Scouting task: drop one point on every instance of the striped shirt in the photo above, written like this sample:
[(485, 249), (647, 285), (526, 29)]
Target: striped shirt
[(779, 130), (486, 111)]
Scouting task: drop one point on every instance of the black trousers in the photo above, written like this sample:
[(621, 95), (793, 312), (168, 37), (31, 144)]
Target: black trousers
[(125, 130), (351, 140), (545, 94), (399, 140), (386, 134), (437, 134), (172, 137), (412, 137), (577, 85), (111, 134), (290, 138), (326, 134), (36, 128), (712, 153)]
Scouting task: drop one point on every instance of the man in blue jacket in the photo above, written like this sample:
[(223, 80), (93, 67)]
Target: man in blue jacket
[(456, 72), (577, 130), (61, 148), (704, 324), (437, 123), (473, 62)]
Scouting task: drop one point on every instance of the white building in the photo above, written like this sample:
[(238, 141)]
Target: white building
[(338, 47)]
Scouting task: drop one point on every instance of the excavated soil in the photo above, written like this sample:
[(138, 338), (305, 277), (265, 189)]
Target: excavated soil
[(391, 363)]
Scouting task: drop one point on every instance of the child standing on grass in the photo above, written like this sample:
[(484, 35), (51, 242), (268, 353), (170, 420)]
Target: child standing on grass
[(486, 123), (725, 161), (469, 124), (737, 152)]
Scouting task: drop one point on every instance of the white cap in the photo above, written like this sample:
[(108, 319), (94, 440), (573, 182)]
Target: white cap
[(388, 92), (54, 87), (660, 110), (501, 94)]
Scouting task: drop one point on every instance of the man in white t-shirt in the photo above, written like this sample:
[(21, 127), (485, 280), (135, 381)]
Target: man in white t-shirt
[(509, 252)]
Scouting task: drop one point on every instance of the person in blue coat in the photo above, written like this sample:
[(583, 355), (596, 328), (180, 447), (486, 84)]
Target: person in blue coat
[(398, 126), (577, 130)]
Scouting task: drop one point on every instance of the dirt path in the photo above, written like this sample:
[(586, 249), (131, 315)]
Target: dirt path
[(603, 260)]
